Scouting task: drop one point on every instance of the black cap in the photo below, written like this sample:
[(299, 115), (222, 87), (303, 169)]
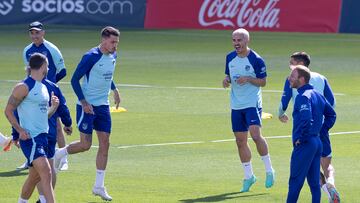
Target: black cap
[(36, 26)]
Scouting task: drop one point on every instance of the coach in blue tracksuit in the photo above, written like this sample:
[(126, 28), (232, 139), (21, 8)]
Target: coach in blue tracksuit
[(311, 113)]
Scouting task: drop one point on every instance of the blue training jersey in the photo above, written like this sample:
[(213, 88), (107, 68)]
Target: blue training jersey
[(33, 110), (247, 95), (96, 69), (311, 113), (320, 84), (56, 62), (62, 112)]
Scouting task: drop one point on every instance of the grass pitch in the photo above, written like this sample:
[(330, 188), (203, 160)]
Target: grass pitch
[(170, 83)]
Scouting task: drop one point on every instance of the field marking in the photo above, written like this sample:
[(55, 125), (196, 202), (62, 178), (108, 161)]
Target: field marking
[(213, 141), (179, 87)]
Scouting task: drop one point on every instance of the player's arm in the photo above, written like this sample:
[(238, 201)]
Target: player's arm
[(17, 96), (305, 118), (117, 98), (58, 61), (54, 104), (227, 80), (60, 75), (63, 112), (329, 116), (284, 102), (328, 94), (26, 63), (260, 82), (84, 67), (260, 72)]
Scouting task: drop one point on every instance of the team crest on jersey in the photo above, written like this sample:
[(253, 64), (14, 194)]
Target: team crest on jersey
[(247, 67), (304, 107), (84, 126), (263, 69), (41, 151)]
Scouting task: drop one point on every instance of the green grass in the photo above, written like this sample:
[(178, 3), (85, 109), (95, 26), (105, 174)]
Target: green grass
[(163, 113)]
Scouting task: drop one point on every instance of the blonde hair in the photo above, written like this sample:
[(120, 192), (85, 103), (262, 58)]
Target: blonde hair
[(242, 31)]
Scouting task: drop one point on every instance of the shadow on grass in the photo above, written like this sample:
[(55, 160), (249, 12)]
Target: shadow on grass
[(222, 197), (14, 173)]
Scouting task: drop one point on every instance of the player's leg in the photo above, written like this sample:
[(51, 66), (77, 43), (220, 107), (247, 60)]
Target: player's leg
[(301, 159), (29, 184), (85, 126), (42, 167), (313, 175), (102, 125), (329, 185), (240, 130), (73, 148), (50, 156), (253, 118), (61, 143)]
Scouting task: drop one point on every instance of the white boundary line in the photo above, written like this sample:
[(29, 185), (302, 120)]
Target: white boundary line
[(214, 141), (180, 87)]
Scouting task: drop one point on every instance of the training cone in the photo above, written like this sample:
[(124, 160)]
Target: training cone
[(118, 110), (266, 115)]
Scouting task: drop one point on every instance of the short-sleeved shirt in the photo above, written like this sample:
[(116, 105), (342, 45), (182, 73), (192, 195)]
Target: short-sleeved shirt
[(33, 110), (246, 95)]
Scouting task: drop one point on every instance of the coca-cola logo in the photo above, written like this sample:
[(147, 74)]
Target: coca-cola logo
[(239, 13)]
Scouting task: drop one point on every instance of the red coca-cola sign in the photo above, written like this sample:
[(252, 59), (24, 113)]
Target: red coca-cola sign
[(239, 13), (266, 15)]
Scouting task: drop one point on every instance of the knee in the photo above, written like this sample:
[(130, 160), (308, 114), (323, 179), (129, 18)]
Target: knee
[(257, 138), (85, 146), (241, 142)]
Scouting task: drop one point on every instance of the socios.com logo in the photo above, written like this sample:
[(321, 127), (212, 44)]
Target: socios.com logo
[(78, 6), (6, 6)]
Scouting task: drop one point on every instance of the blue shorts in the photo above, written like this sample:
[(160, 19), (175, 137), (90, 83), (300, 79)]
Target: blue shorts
[(243, 118), (100, 121), (325, 140), (34, 148)]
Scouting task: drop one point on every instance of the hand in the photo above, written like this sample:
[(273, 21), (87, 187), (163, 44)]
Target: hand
[(54, 101), (297, 143), (87, 108), (284, 118), (226, 82), (23, 135), (242, 80), (16, 143), (68, 130), (117, 98)]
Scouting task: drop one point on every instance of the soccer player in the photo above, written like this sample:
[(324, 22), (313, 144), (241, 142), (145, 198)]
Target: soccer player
[(311, 112), (57, 71), (31, 99), (62, 112), (5, 142), (321, 84), (93, 113), (246, 72)]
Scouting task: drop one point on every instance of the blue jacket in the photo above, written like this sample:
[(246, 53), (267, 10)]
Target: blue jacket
[(312, 113)]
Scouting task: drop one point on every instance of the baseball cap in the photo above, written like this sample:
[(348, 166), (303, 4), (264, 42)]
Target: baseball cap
[(36, 26)]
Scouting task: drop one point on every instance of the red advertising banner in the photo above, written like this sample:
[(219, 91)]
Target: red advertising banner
[(264, 15)]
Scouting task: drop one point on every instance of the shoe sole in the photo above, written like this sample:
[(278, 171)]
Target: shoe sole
[(101, 197), (249, 187)]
